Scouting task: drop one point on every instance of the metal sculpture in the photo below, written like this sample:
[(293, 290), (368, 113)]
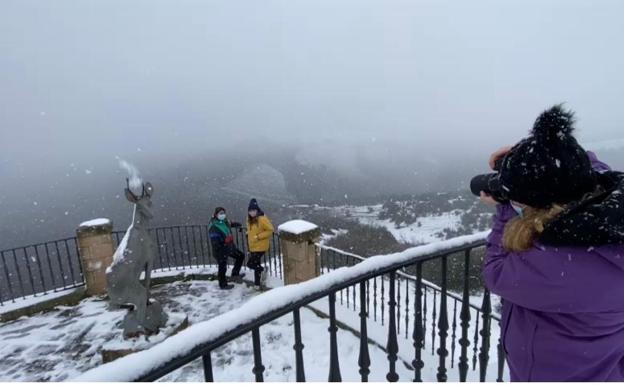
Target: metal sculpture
[(133, 258)]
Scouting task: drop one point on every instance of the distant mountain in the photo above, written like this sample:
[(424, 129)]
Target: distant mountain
[(262, 182)]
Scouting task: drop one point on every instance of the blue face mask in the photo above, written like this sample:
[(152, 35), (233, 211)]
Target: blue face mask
[(518, 209), (221, 217)]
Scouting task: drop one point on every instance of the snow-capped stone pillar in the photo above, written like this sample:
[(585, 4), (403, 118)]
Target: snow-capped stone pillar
[(95, 245), (300, 254)]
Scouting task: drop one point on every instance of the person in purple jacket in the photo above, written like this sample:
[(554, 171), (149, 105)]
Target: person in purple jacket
[(556, 257)]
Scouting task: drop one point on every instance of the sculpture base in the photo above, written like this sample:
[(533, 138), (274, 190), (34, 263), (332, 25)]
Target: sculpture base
[(121, 346), (150, 324)]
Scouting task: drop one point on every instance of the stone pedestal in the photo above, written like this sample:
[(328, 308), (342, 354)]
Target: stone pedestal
[(300, 254), (95, 244)]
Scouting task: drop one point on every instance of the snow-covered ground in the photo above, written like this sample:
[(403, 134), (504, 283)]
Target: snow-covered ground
[(62, 343), (234, 361)]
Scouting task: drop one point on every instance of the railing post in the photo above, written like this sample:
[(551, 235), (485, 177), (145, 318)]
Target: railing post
[(159, 248), (393, 345), (30, 272), (298, 347), (484, 357), (258, 368), (364, 358), (443, 325), (418, 335), (375, 299), (454, 335), (95, 244), (464, 317), (334, 364), (19, 275), (8, 278), (207, 363), (40, 265), (300, 254)]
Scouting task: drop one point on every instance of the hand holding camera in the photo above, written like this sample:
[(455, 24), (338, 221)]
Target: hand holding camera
[(497, 157), (487, 186)]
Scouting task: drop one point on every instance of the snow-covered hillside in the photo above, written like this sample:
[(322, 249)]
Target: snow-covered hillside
[(416, 221)]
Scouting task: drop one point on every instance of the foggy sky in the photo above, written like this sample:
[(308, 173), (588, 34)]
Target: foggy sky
[(82, 82)]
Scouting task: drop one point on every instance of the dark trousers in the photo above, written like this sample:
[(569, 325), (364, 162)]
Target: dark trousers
[(238, 256), (255, 263)]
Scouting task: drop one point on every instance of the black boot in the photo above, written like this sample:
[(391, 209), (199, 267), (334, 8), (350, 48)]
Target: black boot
[(221, 273), (238, 278)]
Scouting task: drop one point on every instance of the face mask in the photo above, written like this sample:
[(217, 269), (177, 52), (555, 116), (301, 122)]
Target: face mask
[(253, 213), (518, 210), (221, 217)]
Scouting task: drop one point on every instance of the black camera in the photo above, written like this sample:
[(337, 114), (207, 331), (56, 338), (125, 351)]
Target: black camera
[(489, 184)]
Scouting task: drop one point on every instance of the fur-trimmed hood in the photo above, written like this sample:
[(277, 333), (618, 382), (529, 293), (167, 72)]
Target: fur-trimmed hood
[(595, 220)]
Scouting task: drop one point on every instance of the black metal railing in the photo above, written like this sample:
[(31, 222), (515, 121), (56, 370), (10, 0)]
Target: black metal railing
[(39, 269), (417, 298), (362, 282), (188, 246)]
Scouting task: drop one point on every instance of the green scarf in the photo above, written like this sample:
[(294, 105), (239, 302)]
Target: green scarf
[(222, 225)]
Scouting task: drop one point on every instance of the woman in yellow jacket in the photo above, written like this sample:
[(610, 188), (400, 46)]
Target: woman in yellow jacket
[(259, 232)]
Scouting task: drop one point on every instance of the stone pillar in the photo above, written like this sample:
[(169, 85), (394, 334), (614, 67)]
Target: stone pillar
[(95, 244), (301, 258)]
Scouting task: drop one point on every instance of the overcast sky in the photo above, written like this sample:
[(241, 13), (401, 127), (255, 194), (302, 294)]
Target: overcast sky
[(84, 81)]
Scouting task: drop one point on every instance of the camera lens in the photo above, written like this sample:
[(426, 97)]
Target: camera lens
[(489, 184)]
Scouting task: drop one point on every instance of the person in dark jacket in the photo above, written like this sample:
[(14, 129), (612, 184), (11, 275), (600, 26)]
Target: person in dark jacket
[(222, 241), (556, 257), (259, 232)]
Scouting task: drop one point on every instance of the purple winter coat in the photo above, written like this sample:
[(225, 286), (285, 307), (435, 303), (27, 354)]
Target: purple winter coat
[(563, 306)]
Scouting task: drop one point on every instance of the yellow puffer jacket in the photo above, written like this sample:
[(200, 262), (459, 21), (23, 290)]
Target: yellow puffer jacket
[(258, 234)]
